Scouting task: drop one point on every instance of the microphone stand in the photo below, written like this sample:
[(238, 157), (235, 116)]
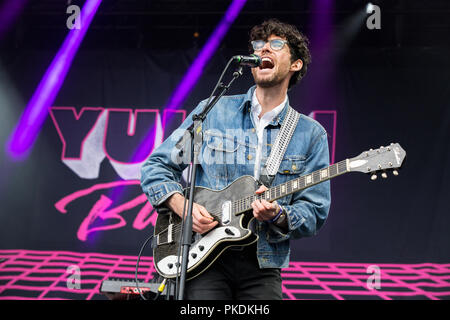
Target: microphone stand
[(195, 130)]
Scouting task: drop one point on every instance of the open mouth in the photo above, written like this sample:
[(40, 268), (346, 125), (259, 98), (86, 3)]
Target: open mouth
[(266, 63)]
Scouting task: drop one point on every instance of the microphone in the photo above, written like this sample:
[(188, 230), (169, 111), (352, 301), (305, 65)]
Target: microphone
[(252, 60)]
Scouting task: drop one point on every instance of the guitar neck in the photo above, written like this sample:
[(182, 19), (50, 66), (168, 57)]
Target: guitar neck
[(242, 205)]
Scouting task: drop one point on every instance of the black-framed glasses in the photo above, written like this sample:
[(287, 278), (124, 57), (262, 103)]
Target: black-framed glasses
[(275, 44)]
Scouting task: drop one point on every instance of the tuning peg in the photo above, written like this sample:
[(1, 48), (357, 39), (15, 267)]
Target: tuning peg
[(384, 175), (395, 172), (373, 177)]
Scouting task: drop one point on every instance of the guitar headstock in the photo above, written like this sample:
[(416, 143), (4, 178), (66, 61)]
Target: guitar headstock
[(383, 159)]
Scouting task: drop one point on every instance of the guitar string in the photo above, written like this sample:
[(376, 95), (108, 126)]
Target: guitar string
[(242, 203), (216, 215)]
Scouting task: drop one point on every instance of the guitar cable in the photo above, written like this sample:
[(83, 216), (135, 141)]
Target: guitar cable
[(137, 267), (162, 286)]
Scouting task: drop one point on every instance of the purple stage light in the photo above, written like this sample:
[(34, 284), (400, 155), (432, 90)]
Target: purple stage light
[(155, 134), (322, 25), (318, 86), (195, 70), (26, 131), (9, 13)]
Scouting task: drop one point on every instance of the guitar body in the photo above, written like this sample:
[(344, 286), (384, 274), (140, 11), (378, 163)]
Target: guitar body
[(231, 207), (232, 230)]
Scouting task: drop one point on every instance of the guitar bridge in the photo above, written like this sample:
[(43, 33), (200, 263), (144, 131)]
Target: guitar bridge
[(165, 236), (226, 212)]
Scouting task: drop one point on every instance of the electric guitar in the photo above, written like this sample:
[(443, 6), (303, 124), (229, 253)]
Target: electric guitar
[(231, 207)]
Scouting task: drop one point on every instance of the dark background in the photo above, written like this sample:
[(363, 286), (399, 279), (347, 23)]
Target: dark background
[(387, 85)]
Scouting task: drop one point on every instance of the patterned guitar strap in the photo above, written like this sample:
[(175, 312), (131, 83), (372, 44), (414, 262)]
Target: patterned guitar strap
[(284, 136)]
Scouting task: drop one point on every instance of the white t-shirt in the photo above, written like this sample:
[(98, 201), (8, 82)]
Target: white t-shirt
[(260, 125)]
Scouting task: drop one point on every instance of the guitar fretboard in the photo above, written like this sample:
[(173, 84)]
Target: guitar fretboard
[(242, 205)]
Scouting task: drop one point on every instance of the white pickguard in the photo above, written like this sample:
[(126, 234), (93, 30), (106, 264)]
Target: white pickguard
[(168, 265)]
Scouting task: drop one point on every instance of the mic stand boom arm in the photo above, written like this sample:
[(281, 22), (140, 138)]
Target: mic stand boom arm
[(195, 130)]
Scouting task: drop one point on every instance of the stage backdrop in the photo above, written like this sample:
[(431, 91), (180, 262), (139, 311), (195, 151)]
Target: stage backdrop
[(79, 188)]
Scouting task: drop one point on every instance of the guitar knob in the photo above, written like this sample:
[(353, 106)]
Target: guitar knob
[(395, 172), (384, 175), (373, 177), (229, 232), (201, 248)]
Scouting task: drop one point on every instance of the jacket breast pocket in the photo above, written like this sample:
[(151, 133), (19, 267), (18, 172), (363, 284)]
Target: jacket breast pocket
[(291, 167), (219, 155)]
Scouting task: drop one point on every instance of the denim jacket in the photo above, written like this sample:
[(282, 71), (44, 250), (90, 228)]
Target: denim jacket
[(228, 150)]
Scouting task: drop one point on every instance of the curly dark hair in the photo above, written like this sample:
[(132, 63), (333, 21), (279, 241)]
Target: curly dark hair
[(298, 43)]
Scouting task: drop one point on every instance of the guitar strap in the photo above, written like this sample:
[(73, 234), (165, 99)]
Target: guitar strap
[(284, 136)]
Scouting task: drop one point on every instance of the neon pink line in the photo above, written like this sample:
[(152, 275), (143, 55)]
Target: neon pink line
[(60, 278), (32, 288), (108, 274), (26, 273), (99, 210), (413, 288), (93, 264), (325, 288), (363, 285), (69, 253), (365, 265), (286, 290), (27, 278), (48, 279), (355, 279), (61, 204), (364, 275), (424, 274), (27, 298), (145, 216), (351, 292)]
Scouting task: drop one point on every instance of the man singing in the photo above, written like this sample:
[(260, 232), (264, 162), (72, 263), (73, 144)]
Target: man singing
[(253, 271)]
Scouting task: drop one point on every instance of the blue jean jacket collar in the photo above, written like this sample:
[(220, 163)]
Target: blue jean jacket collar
[(246, 104)]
